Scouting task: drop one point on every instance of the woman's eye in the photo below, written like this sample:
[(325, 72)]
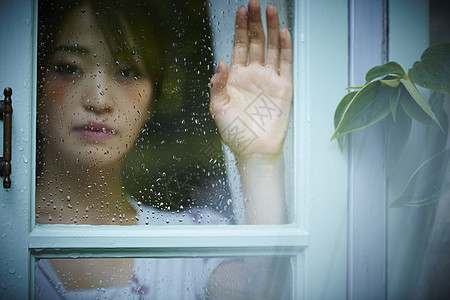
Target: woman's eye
[(68, 70), (128, 73)]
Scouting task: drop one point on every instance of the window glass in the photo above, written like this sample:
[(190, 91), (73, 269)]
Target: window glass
[(433, 282), (124, 133), (419, 179), (169, 278)]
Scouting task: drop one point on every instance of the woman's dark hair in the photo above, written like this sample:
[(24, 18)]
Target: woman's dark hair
[(177, 162), (139, 18)]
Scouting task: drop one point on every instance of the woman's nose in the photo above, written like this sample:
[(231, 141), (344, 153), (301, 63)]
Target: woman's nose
[(98, 99)]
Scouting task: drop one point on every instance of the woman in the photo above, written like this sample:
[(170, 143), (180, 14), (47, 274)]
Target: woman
[(97, 93)]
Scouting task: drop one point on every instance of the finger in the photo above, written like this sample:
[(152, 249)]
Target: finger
[(273, 38), (240, 46), (257, 38), (218, 89), (286, 54)]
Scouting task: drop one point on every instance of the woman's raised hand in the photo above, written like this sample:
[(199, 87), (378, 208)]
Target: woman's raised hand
[(251, 101)]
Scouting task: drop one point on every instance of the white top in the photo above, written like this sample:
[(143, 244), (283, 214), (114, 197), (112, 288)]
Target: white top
[(175, 278)]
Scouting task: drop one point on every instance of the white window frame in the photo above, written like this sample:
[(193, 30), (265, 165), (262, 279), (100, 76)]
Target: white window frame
[(318, 237), (367, 202)]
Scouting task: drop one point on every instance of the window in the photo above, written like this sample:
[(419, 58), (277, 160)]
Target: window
[(312, 244)]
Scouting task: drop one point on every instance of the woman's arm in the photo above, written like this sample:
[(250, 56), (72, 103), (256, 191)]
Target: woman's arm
[(251, 105)]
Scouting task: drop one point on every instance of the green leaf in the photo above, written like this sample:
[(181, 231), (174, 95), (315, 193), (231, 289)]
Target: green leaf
[(356, 87), (342, 107), (339, 113), (391, 68), (412, 90), (437, 106), (368, 106), (436, 99), (433, 69), (391, 82), (397, 134), (393, 101), (414, 111), (429, 182), (435, 139)]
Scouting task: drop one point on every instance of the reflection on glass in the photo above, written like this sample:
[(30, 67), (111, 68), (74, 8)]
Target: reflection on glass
[(174, 278)]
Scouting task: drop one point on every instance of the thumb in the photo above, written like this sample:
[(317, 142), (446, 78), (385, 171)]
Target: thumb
[(218, 89)]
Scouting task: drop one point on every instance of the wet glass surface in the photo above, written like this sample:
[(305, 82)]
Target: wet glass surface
[(170, 278), (124, 133)]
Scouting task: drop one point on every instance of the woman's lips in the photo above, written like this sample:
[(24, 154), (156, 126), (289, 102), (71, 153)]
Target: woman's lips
[(94, 131)]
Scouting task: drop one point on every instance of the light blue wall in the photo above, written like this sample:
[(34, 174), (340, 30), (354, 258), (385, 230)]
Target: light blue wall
[(16, 23)]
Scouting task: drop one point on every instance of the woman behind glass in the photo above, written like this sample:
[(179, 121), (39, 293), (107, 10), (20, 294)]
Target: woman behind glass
[(101, 72)]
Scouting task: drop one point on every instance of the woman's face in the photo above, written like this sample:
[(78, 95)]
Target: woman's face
[(94, 105)]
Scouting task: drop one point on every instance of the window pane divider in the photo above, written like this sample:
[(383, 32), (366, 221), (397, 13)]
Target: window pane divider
[(184, 239), (181, 252)]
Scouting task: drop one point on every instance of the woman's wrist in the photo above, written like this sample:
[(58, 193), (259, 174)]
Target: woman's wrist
[(259, 161), (263, 185)]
